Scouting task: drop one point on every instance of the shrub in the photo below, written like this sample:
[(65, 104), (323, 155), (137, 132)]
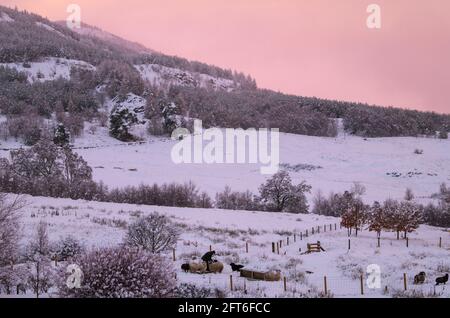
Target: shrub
[(154, 233), (67, 248), (121, 273), (443, 134), (186, 290)]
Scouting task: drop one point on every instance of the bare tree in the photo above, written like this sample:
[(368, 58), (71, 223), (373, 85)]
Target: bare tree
[(154, 233), (409, 195), (9, 222), (38, 258), (355, 216), (280, 194), (377, 218), (358, 189)]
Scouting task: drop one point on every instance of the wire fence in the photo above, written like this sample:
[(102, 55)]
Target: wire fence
[(320, 286)]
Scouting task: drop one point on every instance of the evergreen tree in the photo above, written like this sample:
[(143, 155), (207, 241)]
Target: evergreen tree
[(61, 135), (120, 121)]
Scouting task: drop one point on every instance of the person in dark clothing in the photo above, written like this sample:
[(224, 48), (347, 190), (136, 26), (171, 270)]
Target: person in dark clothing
[(207, 258)]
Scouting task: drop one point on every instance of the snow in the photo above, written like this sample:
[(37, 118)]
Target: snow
[(228, 232), (158, 74), (49, 68), (343, 160), (49, 28), (5, 18)]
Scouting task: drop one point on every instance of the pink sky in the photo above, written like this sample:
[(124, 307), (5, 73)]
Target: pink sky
[(308, 47)]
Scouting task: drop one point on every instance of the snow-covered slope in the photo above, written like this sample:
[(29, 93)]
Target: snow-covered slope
[(49, 28), (386, 166), (228, 232), (163, 75), (49, 69), (5, 18)]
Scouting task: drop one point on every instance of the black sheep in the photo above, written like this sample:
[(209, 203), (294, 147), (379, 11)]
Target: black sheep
[(185, 267), (442, 280), (236, 267)]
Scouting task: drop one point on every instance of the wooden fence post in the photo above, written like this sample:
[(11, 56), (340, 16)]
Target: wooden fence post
[(231, 282), (278, 248), (318, 229), (287, 241), (246, 247), (325, 285), (173, 255), (312, 231), (407, 242), (301, 236), (331, 227), (210, 248), (306, 233), (348, 243), (273, 247), (440, 242), (281, 243), (404, 281), (284, 283), (362, 285), (335, 226), (295, 238), (378, 239), (324, 228)]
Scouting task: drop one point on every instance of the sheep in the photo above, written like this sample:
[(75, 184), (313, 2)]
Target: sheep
[(236, 267), (216, 267), (185, 267), (419, 278), (197, 267), (442, 280), (273, 276)]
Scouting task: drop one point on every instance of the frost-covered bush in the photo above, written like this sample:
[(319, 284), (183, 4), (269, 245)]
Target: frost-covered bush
[(186, 290), (67, 248), (154, 233), (13, 279), (121, 273)]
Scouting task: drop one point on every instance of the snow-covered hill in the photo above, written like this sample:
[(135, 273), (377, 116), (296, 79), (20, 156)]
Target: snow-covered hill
[(163, 75), (385, 166), (48, 69), (228, 232), (5, 18)]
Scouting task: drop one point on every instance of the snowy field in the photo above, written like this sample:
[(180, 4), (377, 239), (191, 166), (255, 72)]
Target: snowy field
[(104, 224), (385, 166)]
